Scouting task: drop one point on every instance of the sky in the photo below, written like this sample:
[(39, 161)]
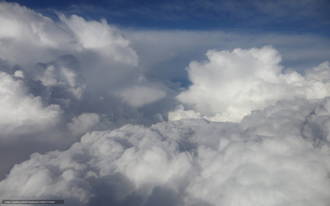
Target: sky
[(293, 16), (165, 102)]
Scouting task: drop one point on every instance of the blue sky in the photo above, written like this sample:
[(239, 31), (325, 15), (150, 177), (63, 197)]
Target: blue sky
[(291, 16)]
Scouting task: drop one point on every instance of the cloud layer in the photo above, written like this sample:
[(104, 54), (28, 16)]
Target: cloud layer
[(277, 156)]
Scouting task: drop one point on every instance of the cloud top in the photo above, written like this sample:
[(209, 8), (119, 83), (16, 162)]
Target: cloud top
[(230, 84)]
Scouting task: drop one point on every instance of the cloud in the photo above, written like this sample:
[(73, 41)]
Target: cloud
[(66, 54), (67, 77), (275, 156), (55, 73), (231, 84), (176, 49), (57, 76), (27, 31), (138, 96), (83, 123), (80, 65), (100, 37), (21, 112), (180, 113)]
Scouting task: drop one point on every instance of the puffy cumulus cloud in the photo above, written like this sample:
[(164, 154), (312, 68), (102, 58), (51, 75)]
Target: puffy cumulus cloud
[(101, 38), (84, 123), (180, 113), (138, 96), (230, 84), (27, 32), (276, 156), (28, 37), (66, 54), (21, 112)]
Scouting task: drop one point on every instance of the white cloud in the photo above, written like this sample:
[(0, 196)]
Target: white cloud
[(274, 157), (83, 123), (231, 84), (138, 96), (180, 113), (68, 52), (68, 61), (54, 68), (19, 74), (21, 112), (28, 37), (100, 37)]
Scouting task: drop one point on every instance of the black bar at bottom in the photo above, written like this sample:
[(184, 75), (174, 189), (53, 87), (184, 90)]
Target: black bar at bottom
[(31, 202)]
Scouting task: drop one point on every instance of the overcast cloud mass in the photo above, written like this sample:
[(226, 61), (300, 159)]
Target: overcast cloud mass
[(96, 113)]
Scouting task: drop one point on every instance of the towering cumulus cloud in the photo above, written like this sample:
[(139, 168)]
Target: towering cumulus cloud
[(277, 156), (231, 84)]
